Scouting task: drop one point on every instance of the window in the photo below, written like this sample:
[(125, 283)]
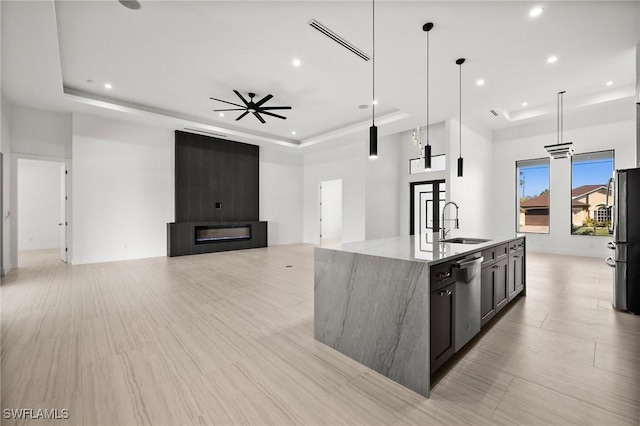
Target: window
[(590, 175), (532, 178)]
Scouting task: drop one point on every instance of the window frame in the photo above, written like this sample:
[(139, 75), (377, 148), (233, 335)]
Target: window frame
[(517, 198), (613, 158)]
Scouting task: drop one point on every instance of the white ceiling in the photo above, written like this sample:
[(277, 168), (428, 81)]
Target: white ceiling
[(167, 58)]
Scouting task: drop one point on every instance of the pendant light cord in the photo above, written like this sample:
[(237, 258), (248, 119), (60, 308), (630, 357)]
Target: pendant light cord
[(460, 114), (560, 116), (373, 88), (427, 87)]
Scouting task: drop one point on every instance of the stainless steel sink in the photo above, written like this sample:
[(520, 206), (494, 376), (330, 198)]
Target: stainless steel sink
[(464, 240)]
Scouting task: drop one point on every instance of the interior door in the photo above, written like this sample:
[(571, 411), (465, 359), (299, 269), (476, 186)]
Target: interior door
[(331, 211), (1, 215), (63, 213)]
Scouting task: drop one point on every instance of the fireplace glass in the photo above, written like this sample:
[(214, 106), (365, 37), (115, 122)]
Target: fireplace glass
[(210, 234)]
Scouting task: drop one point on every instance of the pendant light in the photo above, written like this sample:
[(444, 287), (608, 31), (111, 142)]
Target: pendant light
[(560, 149), (427, 148), (373, 130), (460, 62)]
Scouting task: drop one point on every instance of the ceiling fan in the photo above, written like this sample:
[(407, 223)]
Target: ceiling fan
[(250, 106)]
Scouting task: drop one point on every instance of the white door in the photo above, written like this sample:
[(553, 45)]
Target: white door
[(331, 211), (63, 213)]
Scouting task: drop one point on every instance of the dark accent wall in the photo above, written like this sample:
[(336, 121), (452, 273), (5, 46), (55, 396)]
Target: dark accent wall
[(208, 171)]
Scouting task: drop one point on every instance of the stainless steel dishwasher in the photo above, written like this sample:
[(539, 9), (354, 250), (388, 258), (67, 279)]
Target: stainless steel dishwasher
[(467, 300)]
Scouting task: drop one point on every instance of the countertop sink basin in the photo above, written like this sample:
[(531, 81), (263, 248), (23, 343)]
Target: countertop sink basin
[(464, 240)]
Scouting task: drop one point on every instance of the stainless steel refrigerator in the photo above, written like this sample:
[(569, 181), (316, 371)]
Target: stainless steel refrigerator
[(624, 189)]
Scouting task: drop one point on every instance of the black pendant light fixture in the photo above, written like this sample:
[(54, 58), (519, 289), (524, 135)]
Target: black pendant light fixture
[(373, 130), (427, 148), (459, 62)]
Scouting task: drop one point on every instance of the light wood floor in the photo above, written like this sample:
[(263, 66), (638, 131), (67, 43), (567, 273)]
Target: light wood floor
[(228, 339)]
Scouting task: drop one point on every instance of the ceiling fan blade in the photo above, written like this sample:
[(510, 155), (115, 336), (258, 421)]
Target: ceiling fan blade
[(263, 100), (232, 109), (243, 114), (226, 102), (275, 107), (259, 117), (240, 96), (273, 115)]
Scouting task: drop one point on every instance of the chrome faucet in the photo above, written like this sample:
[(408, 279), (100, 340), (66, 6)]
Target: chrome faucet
[(443, 231)]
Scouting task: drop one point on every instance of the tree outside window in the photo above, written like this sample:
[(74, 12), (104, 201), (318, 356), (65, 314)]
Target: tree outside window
[(533, 196)]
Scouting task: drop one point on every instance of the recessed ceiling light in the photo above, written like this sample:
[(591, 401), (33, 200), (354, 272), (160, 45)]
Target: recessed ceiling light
[(89, 81), (480, 82), (609, 83), (296, 62), (552, 59), (108, 86), (363, 106), (293, 132), (221, 114), (535, 12), (525, 103), (375, 102)]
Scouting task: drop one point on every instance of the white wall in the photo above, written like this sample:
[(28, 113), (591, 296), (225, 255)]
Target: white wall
[(383, 189), (281, 197), (42, 133), (331, 210), (123, 189), (613, 128), (39, 202), (346, 162), (473, 191)]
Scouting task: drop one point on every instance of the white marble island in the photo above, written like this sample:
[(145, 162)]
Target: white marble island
[(372, 301)]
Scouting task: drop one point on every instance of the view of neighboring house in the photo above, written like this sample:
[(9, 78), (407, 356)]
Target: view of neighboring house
[(589, 203), (534, 212)]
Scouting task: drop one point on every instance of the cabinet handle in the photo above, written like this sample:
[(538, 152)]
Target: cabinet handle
[(445, 293), (495, 267), (516, 256), (444, 275)]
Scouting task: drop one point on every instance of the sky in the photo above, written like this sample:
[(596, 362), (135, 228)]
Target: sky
[(587, 172)]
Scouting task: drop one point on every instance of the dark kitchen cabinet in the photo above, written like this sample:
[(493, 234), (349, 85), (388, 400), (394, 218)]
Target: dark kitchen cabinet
[(494, 290), (442, 325), (487, 294), (516, 273), (501, 269)]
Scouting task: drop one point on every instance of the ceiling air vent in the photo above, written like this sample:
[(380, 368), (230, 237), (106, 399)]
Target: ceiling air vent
[(335, 37), (206, 132), (495, 114)]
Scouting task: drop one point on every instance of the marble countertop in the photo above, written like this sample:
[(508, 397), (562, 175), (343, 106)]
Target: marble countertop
[(425, 248)]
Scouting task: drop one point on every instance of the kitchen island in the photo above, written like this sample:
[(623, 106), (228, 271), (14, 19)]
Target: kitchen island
[(390, 304)]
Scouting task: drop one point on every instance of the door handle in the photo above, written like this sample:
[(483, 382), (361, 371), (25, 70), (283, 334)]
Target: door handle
[(464, 264), (609, 261), (60, 224)]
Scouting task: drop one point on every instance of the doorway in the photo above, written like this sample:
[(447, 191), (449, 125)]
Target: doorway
[(331, 212), (41, 208), (426, 199)]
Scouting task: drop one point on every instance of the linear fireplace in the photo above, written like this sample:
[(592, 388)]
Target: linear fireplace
[(212, 234)]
